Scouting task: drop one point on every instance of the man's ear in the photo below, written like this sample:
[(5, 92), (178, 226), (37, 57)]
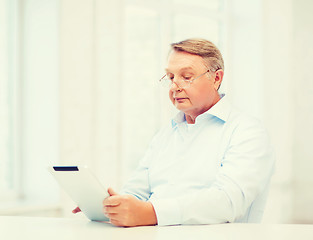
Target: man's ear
[(218, 79)]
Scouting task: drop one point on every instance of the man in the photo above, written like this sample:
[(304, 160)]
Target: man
[(212, 165)]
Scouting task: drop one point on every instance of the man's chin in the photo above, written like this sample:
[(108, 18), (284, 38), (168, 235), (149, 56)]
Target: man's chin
[(181, 107)]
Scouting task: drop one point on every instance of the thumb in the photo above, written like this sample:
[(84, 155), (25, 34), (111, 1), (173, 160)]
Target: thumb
[(112, 192)]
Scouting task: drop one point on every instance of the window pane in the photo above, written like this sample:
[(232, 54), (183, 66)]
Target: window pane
[(186, 26), (140, 75), (5, 171), (6, 100), (208, 4)]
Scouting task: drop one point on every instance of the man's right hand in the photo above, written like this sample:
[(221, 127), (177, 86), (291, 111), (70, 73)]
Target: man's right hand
[(76, 210)]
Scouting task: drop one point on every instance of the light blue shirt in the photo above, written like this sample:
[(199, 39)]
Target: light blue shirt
[(214, 171)]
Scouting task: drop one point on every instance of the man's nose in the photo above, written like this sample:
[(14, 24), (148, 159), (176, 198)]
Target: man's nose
[(174, 86)]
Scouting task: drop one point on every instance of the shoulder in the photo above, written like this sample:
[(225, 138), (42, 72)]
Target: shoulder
[(242, 127), (240, 120)]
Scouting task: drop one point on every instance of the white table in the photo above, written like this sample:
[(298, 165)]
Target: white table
[(20, 228)]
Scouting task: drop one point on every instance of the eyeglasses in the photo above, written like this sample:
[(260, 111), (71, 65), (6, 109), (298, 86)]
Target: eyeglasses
[(182, 82)]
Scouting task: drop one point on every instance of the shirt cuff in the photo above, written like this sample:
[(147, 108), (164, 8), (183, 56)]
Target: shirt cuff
[(167, 211)]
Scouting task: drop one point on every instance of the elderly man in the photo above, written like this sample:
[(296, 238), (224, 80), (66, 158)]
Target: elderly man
[(211, 165)]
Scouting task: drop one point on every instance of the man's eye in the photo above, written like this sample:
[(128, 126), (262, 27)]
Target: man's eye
[(169, 77), (187, 77)]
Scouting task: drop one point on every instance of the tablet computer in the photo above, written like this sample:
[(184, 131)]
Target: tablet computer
[(83, 188)]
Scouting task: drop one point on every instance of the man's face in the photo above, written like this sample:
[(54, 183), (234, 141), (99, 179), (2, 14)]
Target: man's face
[(202, 93)]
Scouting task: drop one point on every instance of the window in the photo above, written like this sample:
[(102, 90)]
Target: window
[(28, 102), (9, 176)]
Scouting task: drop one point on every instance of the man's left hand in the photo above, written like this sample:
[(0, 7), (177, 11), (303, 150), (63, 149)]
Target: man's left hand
[(128, 211)]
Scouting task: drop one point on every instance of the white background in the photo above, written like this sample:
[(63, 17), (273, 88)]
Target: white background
[(88, 93)]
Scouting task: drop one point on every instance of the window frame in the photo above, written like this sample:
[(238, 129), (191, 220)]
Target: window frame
[(14, 109)]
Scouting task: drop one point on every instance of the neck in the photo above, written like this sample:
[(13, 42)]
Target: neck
[(191, 117)]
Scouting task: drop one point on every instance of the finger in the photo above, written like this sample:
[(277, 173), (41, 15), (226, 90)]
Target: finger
[(111, 215), (112, 192), (76, 210), (113, 201), (110, 209), (115, 222)]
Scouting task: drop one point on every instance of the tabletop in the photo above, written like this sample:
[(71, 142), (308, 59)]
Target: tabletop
[(13, 228)]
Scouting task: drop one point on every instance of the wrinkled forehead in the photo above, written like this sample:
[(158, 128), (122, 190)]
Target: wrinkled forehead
[(178, 60)]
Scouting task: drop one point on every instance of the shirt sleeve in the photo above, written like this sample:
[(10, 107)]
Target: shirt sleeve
[(247, 166), (138, 185)]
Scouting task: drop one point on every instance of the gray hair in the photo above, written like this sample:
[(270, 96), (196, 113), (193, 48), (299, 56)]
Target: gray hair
[(203, 48)]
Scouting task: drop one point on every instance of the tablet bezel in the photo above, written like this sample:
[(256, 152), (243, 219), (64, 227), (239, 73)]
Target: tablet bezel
[(83, 188)]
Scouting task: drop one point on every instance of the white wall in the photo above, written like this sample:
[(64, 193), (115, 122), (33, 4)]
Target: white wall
[(302, 96), (288, 56), (244, 69), (278, 102)]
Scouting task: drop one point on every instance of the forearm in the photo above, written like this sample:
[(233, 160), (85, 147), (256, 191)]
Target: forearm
[(206, 206), (218, 204)]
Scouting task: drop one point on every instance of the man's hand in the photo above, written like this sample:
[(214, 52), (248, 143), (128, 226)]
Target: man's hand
[(128, 211)]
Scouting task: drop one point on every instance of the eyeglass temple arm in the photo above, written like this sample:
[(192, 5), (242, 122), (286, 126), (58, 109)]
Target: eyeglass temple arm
[(162, 78)]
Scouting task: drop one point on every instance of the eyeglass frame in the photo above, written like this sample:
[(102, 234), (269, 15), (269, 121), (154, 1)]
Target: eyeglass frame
[(186, 81)]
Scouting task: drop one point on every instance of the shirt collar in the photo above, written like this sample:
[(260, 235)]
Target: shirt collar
[(220, 110)]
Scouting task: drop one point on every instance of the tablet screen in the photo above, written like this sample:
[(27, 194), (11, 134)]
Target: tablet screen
[(84, 189)]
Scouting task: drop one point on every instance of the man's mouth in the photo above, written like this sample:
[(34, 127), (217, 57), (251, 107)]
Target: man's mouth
[(180, 99)]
